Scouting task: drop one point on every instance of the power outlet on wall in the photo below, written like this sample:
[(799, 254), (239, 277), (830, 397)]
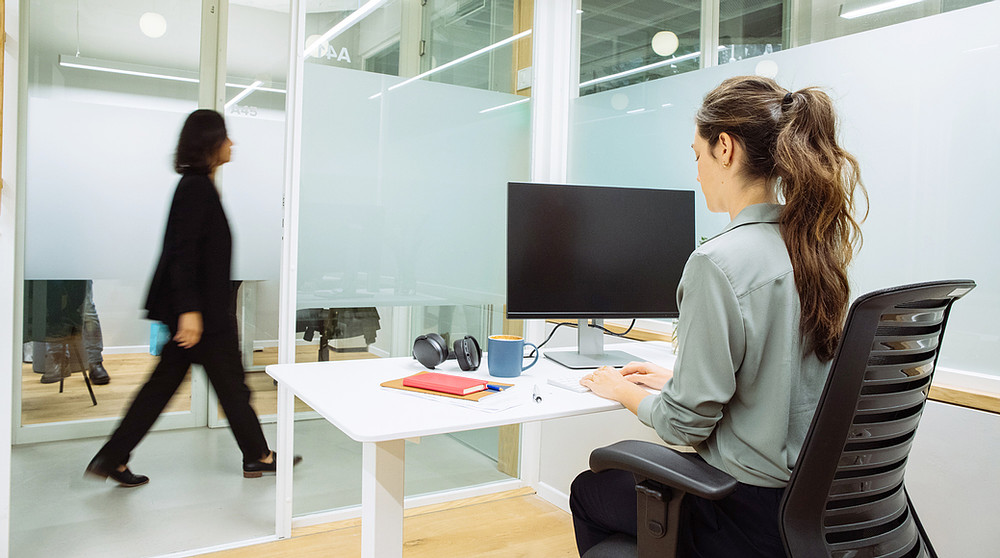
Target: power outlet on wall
[(524, 78)]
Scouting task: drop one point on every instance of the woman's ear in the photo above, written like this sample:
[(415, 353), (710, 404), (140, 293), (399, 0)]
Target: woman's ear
[(724, 148)]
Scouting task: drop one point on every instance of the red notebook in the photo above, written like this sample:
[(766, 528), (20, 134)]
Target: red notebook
[(445, 383)]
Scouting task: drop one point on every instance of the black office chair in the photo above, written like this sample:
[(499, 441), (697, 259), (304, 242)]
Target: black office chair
[(846, 495)]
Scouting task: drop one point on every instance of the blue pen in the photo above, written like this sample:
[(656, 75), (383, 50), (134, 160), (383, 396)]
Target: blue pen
[(494, 387)]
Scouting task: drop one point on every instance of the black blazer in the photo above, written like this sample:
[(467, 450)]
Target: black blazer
[(193, 272)]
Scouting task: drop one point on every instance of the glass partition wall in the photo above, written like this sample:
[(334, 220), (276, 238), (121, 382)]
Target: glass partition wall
[(106, 88), (257, 47), (411, 129), (637, 130), (126, 76), (105, 99)]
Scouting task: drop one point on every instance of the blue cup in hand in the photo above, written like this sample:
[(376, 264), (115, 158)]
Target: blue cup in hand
[(505, 355)]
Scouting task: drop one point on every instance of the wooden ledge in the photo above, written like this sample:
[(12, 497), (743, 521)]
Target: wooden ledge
[(636, 334), (982, 401)]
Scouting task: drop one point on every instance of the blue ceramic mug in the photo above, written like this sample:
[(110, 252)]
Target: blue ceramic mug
[(505, 355)]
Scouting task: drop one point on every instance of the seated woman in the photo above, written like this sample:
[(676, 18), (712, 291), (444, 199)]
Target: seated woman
[(761, 305)]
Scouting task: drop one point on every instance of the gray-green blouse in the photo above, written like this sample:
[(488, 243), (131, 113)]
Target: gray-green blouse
[(743, 393)]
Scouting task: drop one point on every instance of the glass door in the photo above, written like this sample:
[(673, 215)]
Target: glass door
[(410, 131), (108, 85), (252, 184)]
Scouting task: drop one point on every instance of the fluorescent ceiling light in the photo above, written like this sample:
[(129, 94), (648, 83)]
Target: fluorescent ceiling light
[(518, 102), (122, 68), (126, 69), (343, 25), (641, 69), (645, 68), (242, 94), (851, 10), (458, 61)]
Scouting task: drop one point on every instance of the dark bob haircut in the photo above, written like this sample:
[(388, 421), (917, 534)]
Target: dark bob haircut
[(203, 134)]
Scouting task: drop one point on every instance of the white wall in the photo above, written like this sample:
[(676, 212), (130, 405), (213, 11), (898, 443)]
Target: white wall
[(952, 479)]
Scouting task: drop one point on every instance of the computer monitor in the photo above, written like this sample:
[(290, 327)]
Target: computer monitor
[(595, 252)]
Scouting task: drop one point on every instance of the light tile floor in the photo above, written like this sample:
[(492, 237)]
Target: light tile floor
[(197, 496)]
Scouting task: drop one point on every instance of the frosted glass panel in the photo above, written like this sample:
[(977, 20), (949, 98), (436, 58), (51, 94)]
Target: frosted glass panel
[(110, 215), (98, 177), (403, 194), (98, 190), (918, 114)]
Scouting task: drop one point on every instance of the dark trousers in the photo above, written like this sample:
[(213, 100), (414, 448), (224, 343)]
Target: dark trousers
[(219, 354), (744, 524)]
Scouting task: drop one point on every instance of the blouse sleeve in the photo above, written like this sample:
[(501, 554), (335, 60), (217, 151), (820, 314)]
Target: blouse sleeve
[(711, 346)]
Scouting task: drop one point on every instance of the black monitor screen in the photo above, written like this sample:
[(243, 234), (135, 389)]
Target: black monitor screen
[(595, 251)]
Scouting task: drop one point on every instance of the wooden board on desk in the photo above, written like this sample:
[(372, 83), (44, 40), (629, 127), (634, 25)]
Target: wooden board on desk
[(398, 384)]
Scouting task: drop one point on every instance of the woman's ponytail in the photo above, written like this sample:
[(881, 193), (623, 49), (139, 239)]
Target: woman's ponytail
[(818, 181), (790, 141)]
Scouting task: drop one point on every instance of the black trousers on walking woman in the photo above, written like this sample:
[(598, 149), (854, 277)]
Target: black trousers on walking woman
[(219, 354), (741, 525)]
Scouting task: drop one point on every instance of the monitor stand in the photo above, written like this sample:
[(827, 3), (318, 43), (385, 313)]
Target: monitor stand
[(590, 352)]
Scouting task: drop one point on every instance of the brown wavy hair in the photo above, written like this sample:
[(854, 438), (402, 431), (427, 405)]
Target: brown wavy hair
[(789, 139)]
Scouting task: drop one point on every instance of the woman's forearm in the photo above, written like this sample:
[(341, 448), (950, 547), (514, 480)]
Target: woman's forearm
[(630, 395)]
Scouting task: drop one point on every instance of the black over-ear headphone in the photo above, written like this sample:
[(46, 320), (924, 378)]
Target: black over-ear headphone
[(431, 350)]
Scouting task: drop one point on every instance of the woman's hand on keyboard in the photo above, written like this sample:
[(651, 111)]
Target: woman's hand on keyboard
[(610, 384), (647, 374)]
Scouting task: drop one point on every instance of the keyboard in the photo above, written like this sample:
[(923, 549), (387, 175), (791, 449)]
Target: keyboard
[(570, 381)]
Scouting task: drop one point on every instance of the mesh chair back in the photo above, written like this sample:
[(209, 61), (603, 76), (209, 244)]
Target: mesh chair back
[(846, 497)]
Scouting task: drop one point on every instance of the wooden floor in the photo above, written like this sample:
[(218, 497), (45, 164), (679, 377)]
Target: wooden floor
[(506, 525), (42, 403)]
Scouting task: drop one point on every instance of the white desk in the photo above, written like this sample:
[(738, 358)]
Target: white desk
[(347, 393)]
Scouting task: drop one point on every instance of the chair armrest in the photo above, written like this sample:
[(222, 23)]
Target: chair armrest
[(685, 472)]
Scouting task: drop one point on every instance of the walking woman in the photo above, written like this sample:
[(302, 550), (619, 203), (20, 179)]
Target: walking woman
[(191, 292), (761, 304)]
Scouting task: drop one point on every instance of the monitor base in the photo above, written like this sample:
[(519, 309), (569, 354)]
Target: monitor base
[(577, 361)]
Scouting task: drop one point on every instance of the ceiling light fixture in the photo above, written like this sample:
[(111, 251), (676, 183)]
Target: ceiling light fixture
[(645, 68), (243, 94), (458, 61), (82, 63), (153, 25), (121, 68), (518, 102), (852, 10), (665, 43)]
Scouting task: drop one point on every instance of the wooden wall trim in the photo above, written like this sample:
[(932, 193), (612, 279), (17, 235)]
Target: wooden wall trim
[(989, 402), (982, 401)]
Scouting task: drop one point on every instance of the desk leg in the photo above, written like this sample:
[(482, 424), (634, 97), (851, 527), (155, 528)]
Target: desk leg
[(382, 480), (283, 480)]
